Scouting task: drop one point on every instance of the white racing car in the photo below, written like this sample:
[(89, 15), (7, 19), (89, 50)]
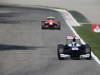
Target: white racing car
[(73, 49)]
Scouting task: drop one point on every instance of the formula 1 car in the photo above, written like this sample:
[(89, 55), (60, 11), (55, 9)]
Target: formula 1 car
[(50, 23), (73, 49)]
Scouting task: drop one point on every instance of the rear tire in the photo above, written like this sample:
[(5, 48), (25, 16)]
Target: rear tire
[(59, 27), (42, 27)]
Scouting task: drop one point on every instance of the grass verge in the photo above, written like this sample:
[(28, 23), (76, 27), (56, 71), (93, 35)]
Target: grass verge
[(85, 31)]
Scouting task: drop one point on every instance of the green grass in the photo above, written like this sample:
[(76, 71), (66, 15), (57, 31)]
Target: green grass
[(92, 38), (85, 31)]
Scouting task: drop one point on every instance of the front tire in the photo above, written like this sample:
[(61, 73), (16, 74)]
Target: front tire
[(60, 51), (88, 51)]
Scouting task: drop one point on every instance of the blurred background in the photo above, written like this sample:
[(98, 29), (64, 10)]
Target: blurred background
[(90, 8)]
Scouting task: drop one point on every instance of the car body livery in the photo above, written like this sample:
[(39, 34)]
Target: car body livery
[(73, 49), (50, 23)]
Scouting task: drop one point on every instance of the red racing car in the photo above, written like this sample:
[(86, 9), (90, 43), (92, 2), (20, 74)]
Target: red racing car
[(50, 23)]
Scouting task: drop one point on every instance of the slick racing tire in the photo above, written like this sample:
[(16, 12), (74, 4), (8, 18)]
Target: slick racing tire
[(58, 27), (89, 58), (60, 48), (88, 51), (43, 27)]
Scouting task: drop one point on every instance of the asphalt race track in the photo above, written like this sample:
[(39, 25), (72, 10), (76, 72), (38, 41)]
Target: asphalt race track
[(25, 49)]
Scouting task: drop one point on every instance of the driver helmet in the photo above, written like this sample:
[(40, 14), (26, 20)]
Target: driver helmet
[(74, 40)]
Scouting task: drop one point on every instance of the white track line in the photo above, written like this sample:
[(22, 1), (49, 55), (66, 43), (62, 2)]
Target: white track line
[(67, 16)]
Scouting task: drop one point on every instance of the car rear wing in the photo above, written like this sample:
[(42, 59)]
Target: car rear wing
[(71, 37)]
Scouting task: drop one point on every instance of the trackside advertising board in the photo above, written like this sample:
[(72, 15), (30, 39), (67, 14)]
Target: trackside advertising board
[(96, 27)]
